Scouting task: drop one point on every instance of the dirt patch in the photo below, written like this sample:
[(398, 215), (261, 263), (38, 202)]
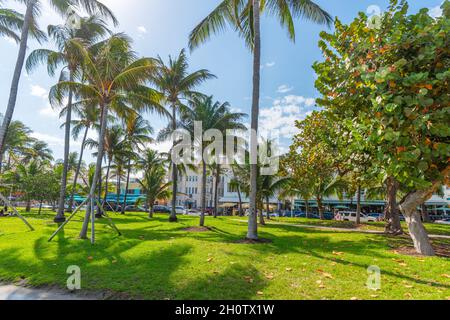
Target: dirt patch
[(441, 250), (249, 241), (197, 229)]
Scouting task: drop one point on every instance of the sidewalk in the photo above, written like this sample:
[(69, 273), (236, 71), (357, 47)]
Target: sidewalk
[(12, 292)]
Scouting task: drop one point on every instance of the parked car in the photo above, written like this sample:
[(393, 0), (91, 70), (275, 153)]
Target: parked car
[(351, 216), (161, 209), (178, 210), (443, 221), (193, 212), (135, 209), (378, 216)]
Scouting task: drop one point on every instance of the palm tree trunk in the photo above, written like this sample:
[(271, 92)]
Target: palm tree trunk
[(216, 191), (150, 206), (307, 208), (118, 188), (77, 172), (252, 232), (28, 206), (125, 198), (268, 208), (173, 214), (40, 207), (16, 77), (203, 195), (241, 212), (261, 214), (60, 218), (98, 168), (106, 180), (358, 206)]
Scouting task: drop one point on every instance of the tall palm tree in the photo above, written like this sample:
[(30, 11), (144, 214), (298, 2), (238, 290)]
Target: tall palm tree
[(119, 172), (29, 27), (244, 16), (88, 119), (178, 87), (154, 184), (137, 131), (10, 23), (115, 80), (212, 115), (17, 141), (88, 30)]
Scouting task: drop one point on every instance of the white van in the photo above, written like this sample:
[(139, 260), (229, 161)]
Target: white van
[(351, 216)]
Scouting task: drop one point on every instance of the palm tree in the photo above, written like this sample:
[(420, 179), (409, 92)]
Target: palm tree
[(29, 27), (178, 86), (244, 17), (89, 30), (10, 22), (212, 115), (154, 183), (17, 141), (137, 131), (119, 172), (112, 89), (88, 119), (39, 151), (113, 146)]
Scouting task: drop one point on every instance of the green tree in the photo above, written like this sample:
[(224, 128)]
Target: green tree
[(10, 23), (112, 89), (396, 76), (178, 87), (89, 30), (29, 27), (244, 16)]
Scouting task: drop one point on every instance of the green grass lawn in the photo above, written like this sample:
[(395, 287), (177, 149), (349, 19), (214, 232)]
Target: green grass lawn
[(158, 260)]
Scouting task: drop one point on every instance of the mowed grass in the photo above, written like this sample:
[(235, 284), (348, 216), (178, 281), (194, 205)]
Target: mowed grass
[(155, 259)]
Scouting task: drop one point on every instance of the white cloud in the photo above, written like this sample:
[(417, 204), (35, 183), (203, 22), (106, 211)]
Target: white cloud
[(284, 88), (436, 12), (49, 112), (51, 140), (279, 120), (268, 65), (142, 30), (38, 91)]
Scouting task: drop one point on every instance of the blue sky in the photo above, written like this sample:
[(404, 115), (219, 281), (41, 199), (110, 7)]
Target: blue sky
[(161, 27)]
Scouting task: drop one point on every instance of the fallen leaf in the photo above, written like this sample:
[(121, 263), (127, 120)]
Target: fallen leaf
[(374, 296), (90, 258), (446, 276), (336, 253), (210, 259), (409, 286), (408, 295), (288, 269), (354, 298), (269, 276), (114, 261), (260, 293), (249, 279)]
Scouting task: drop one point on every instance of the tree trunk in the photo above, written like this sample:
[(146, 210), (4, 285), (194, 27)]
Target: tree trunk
[(60, 218), (118, 189), (173, 214), (307, 208), (203, 195), (99, 213), (320, 207), (417, 231), (268, 208), (127, 185), (252, 233), (425, 214), (216, 191), (77, 172), (16, 76), (98, 168), (106, 181), (358, 206), (40, 207), (392, 211), (261, 216), (28, 206), (150, 214), (241, 212)]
